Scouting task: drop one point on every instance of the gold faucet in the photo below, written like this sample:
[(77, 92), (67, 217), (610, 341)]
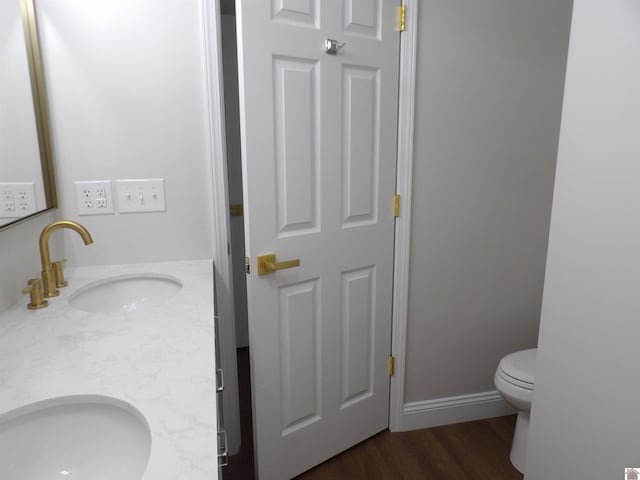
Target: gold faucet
[(48, 282)]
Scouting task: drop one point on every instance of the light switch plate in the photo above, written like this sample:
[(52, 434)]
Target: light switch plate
[(141, 195), (94, 197), (17, 199)]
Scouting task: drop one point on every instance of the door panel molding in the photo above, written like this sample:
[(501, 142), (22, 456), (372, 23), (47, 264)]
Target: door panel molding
[(296, 12), (362, 17), (358, 335), (300, 320), (296, 116), (360, 155)]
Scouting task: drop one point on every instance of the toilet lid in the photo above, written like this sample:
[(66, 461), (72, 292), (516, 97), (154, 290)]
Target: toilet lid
[(520, 365)]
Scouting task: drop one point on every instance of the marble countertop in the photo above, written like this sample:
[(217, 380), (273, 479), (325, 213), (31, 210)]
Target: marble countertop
[(161, 360)]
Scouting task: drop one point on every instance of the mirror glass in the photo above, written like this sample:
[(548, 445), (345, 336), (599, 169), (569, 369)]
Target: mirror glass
[(26, 175)]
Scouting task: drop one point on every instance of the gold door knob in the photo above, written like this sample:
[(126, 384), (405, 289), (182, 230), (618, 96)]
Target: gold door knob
[(236, 209), (267, 264)]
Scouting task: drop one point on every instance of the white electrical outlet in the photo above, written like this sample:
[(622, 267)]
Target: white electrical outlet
[(17, 199), (145, 195), (94, 197)]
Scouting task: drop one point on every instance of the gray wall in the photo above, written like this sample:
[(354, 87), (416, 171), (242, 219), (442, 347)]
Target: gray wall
[(490, 81), (585, 417)]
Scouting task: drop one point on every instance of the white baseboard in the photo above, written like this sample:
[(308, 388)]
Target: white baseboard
[(445, 411)]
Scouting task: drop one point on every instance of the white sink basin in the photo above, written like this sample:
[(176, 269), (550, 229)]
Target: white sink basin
[(90, 438), (125, 293)]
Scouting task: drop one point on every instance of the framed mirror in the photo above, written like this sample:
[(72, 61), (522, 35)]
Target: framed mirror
[(27, 184)]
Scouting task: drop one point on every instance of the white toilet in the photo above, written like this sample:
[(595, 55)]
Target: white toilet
[(514, 380)]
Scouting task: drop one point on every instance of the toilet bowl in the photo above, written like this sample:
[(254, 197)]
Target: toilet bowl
[(514, 379)]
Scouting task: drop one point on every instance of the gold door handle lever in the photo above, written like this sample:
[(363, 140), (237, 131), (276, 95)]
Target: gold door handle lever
[(267, 264)]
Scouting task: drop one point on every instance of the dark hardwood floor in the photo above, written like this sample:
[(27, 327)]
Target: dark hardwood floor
[(240, 466), (466, 451)]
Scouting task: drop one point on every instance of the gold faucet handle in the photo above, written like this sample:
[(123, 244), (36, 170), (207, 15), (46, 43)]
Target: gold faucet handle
[(34, 289), (58, 273)]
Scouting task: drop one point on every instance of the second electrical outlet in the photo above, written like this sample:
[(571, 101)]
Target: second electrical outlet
[(94, 197)]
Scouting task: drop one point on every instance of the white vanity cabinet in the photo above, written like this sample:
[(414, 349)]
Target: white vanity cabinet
[(223, 453)]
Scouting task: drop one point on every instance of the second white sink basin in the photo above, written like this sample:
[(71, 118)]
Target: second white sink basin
[(125, 293), (95, 438)]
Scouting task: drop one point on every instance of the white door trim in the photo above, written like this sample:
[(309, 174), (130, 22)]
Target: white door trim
[(406, 116), (211, 30)]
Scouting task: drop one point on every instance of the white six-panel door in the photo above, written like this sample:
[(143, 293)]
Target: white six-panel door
[(319, 158)]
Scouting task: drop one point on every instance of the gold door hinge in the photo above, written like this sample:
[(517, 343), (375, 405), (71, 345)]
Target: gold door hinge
[(236, 209), (396, 205), (391, 365), (402, 13)]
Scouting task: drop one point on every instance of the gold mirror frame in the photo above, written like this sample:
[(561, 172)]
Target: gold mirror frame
[(40, 105)]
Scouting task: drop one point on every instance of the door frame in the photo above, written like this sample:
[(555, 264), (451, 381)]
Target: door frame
[(220, 207), (220, 227), (404, 176)]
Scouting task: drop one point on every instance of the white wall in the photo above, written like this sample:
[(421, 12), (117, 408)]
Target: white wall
[(126, 84), (490, 78), (585, 418)]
